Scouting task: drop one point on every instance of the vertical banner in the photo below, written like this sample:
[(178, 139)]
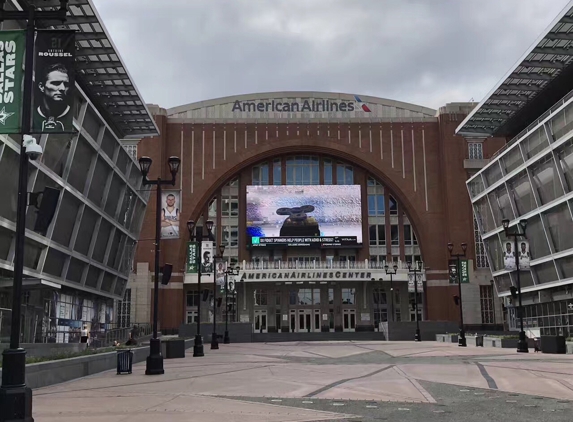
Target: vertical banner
[(54, 69), (508, 256), (463, 270), (12, 51), (207, 258), (192, 258), (170, 214), (220, 277), (524, 255)]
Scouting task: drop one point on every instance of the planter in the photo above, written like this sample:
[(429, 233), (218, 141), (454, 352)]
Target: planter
[(569, 345), (447, 338), (553, 344), (504, 343), (174, 349)]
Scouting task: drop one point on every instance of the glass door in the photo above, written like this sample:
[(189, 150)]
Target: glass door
[(349, 320), (260, 321), (303, 321)]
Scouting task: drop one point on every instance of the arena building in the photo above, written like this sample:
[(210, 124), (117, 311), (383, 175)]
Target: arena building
[(76, 269), (401, 163), (530, 179)]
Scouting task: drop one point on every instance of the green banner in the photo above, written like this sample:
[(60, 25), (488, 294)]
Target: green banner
[(464, 271), (192, 258), (12, 51)]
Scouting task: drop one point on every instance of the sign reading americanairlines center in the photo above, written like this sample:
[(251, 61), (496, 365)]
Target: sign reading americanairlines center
[(307, 105), (303, 275), (12, 48)]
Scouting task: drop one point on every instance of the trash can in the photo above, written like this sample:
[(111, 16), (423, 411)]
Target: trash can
[(124, 361), (479, 341)]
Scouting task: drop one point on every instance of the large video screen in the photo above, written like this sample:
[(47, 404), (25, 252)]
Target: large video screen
[(312, 216)]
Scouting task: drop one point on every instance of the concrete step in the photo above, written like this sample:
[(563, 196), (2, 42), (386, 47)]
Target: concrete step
[(344, 336)]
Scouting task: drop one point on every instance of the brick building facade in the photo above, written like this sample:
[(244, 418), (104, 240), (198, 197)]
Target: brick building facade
[(411, 168)]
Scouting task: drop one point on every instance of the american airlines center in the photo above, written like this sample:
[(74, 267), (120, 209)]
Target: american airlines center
[(313, 194)]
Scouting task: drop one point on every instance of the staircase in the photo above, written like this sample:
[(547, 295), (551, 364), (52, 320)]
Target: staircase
[(340, 336)]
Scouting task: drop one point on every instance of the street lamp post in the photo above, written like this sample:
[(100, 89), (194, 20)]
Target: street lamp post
[(15, 396), (217, 258), (154, 364), (234, 272), (391, 273), (198, 350), (417, 270), (518, 231), (377, 300), (462, 337)]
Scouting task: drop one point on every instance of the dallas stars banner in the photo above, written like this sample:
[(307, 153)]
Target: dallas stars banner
[(12, 49)]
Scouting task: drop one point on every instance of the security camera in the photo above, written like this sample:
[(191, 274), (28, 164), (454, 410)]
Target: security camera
[(33, 150)]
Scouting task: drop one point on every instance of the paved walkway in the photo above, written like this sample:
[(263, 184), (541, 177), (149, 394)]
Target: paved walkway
[(318, 381)]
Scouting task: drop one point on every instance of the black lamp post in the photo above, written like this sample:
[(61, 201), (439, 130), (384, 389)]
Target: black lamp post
[(391, 273), (15, 396), (198, 350), (234, 272), (416, 271), (456, 270), (217, 258), (518, 231), (154, 364)]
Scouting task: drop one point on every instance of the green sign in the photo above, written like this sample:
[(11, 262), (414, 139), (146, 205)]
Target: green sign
[(12, 50), (192, 259), (464, 271)]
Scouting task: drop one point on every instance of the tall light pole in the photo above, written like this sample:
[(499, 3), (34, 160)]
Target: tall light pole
[(154, 363), (198, 350), (518, 231), (416, 271), (217, 258), (391, 273), (15, 396), (234, 272), (462, 337)]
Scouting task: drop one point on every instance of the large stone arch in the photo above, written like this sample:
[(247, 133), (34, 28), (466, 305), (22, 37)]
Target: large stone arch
[(302, 145)]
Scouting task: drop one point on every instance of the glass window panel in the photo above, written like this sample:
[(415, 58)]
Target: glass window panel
[(56, 152), (123, 160), (511, 160), (108, 145), (535, 142), (107, 282), (545, 179), (75, 270), (483, 214), (562, 123), (566, 265), (87, 225), (66, 219), (379, 204), (81, 164), (327, 172), (560, 227), (520, 189), (92, 123), (6, 237), (32, 252), (138, 214), (525, 278), (277, 172), (394, 235), (316, 296), (476, 186), (127, 206), (502, 283), (315, 175), (565, 158), (493, 174), (120, 285), (97, 187), (545, 272), (9, 165), (116, 249), (373, 239), (493, 246), (42, 181), (371, 204), (92, 277), (538, 245), (102, 240), (114, 194), (381, 234), (393, 205), (55, 261), (500, 204), (348, 296), (407, 234)]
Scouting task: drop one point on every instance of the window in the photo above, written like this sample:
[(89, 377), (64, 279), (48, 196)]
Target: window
[(408, 239), (487, 304), (376, 205), (131, 150), (261, 174), (230, 236), (327, 172), (316, 296), (302, 170), (344, 174), (377, 235), (304, 297), (229, 206), (393, 205), (124, 310), (475, 150), (394, 235), (261, 297), (348, 296), (193, 298), (277, 172), (481, 257)]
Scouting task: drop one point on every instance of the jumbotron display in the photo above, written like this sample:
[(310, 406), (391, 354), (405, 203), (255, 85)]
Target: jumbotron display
[(313, 216)]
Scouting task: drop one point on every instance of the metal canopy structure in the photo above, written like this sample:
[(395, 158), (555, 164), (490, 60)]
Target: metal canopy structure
[(100, 70), (541, 78)]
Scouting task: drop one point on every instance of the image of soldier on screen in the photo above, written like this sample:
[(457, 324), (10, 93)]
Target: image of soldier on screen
[(53, 105)]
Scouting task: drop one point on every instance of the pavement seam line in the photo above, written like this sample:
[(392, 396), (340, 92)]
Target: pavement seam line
[(337, 383), (416, 385), (490, 381)]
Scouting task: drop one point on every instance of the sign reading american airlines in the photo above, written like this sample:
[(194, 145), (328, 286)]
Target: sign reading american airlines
[(310, 105)]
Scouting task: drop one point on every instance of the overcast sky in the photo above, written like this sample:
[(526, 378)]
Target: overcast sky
[(426, 52)]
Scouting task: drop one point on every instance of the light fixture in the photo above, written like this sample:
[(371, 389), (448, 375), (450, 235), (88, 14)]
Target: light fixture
[(409, 265), (386, 267), (209, 225), (395, 267), (464, 247), (505, 223), (450, 247), (174, 163), (221, 250), (523, 224), (190, 227), (145, 165)]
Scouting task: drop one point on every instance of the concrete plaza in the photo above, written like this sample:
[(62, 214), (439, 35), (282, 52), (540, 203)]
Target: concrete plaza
[(319, 381)]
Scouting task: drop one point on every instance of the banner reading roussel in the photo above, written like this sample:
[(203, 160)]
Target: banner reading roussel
[(12, 51), (53, 110)]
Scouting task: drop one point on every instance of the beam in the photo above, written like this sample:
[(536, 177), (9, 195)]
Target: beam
[(559, 36), (89, 36), (112, 64), (553, 50), (500, 107), (488, 115), (123, 108), (111, 88), (531, 76), (510, 97), (83, 51), (542, 64), (519, 87), (101, 77), (117, 98)]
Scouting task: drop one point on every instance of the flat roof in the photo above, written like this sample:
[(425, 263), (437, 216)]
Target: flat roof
[(100, 70), (538, 80)]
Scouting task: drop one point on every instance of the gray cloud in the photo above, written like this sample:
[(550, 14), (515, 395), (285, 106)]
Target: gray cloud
[(426, 52)]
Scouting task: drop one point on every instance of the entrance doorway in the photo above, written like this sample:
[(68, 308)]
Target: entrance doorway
[(348, 320), (260, 323), (305, 320)]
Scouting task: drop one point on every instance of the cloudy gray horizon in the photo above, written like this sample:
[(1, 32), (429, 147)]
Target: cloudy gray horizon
[(425, 52)]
